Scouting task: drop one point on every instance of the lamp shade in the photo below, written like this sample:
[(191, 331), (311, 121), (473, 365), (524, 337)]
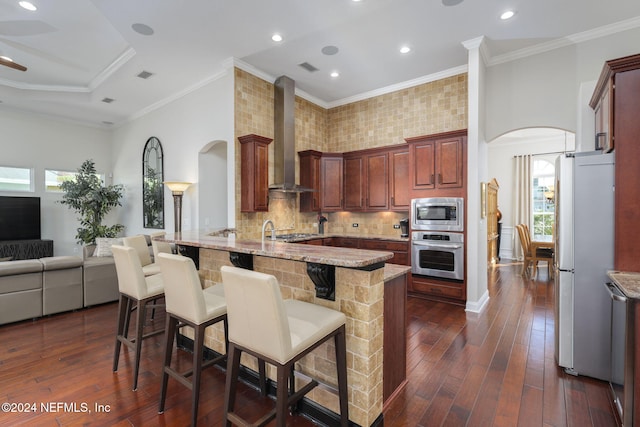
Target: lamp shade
[(177, 185)]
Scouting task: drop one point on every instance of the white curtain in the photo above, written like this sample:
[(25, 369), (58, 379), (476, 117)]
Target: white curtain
[(521, 198)]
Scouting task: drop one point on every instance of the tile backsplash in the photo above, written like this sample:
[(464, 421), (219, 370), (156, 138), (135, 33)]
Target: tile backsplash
[(369, 224), (429, 108)]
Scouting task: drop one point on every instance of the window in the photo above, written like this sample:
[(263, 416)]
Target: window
[(53, 179), (543, 203), (16, 179)]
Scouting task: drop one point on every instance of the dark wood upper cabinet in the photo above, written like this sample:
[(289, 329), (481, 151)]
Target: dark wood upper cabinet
[(322, 172), (310, 178), (604, 136), (399, 197), (353, 182), (437, 161), (376, 181), (617, 104), (449, 162), (366, 181), (254, 173), (331, 183), (423, 155)]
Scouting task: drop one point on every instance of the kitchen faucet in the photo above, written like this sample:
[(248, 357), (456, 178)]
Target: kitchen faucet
[(264, 229)]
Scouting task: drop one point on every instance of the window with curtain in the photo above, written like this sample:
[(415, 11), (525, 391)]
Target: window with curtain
[(542, 206)]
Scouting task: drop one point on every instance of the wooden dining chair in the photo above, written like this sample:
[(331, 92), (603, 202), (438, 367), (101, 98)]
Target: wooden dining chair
[(532, 253)]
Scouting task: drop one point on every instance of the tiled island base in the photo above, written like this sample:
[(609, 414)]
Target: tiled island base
[(359, 295)]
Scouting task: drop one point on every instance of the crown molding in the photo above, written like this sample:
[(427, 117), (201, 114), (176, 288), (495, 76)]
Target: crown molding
[(573, 39)]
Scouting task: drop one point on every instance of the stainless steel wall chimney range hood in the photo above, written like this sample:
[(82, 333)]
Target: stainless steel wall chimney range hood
[(284, 138)]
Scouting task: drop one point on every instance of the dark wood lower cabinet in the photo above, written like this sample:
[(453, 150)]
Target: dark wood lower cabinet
[(400, 249), (438, 289)]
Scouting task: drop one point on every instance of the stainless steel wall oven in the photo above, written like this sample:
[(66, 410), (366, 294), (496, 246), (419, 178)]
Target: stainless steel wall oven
[(437, 239), (438, 254)]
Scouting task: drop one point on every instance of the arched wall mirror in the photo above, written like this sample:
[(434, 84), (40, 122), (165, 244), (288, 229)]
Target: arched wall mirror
[(152, 186)]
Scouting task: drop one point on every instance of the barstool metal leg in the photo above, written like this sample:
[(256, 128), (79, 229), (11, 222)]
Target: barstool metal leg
[(341, 365), (127, 320), (138, 343), (233, 366), (282, 395), (198, 347), (123, 312), (262, 371), (168, 351)]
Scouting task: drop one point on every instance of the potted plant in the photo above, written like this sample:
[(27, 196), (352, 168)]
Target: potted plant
[(92, 201)]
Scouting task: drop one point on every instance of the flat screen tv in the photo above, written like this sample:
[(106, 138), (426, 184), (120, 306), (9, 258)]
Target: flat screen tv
[(19, 218)]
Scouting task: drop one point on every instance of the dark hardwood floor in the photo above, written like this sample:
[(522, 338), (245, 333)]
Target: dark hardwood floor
[(496, 368)]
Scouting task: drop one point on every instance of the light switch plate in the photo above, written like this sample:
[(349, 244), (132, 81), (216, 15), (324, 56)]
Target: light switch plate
[(355, 225)]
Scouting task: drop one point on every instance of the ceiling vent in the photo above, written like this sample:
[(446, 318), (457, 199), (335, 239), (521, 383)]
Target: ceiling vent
[(145, 75), (107, 100), (310, 68)]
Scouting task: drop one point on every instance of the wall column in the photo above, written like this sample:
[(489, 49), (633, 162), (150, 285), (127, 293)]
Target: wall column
[(477, 294)]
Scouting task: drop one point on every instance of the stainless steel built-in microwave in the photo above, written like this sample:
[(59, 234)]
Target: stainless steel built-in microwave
[(438, 214)]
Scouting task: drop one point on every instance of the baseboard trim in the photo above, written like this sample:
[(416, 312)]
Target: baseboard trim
[(478, 306)]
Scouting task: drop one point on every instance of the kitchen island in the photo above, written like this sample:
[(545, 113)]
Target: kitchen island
[(355, 282)]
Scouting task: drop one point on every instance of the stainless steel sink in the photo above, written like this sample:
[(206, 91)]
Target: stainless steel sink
[(294, 236)]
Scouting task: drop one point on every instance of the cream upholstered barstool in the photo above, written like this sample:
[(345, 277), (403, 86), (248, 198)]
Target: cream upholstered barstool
[(279, 332), (139, 243), (159, 247), (136, 289), (187, 304)]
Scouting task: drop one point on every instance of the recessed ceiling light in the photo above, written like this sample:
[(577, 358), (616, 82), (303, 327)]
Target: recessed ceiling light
[(335, 74), (276, 38), (507, 15), (28, 5), (405, 49), (143, 29)]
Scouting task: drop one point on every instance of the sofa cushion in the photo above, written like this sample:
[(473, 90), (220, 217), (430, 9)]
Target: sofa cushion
[(24, 266), (60, 262), (103, 246)]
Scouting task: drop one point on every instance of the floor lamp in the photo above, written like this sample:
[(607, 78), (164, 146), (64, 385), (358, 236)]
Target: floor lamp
[(177, 189)]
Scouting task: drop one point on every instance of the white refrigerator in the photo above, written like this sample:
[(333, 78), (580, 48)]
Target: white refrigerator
[(584, 215)]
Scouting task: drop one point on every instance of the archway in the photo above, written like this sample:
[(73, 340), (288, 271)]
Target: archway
[(212, 186), (539, 143)]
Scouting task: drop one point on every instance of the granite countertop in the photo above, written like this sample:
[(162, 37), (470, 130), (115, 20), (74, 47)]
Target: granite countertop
[(628, 282), (391, 271), (301, 237), (341, 257)]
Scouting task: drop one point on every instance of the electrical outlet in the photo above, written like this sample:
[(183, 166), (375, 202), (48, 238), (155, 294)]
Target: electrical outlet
[(355, 225), (396, 226)]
